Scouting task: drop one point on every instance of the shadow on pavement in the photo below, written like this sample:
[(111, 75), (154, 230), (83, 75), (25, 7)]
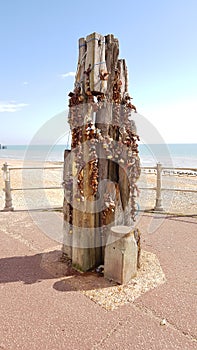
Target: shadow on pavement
[(36, 268)]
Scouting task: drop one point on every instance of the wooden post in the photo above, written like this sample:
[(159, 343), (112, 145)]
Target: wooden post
[(99, 121)]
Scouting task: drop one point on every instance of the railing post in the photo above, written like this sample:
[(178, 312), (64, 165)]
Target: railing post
[(158, 203), (7, 189)]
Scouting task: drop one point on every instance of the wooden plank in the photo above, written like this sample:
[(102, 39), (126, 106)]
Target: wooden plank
[(81, 61), (123, 76), (95, 60), (111, 54), (84, 252), (67, 207)]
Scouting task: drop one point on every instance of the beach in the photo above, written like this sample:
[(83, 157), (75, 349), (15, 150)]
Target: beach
[(184, 203), (33, 199)]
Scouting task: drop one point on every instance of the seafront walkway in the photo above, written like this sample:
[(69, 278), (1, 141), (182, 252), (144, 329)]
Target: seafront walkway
[(36, 313)]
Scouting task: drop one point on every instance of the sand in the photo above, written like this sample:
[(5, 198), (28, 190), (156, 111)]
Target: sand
[(184, 203), (174, 202), (24, 178)]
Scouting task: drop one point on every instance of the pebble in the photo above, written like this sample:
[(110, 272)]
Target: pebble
[(163, 322)]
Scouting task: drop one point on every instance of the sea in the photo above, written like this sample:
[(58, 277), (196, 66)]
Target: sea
[(171, 155)]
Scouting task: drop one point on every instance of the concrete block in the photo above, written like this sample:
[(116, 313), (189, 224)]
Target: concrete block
[(121, 251)]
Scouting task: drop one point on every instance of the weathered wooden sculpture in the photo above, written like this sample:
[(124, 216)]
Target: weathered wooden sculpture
[(101, 171)]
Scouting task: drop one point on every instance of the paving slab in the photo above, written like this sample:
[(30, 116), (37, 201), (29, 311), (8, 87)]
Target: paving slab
[(140, 329), (175, 245)]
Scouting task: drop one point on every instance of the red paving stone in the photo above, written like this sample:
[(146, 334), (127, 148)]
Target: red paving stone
[(175, 245), (36, 315)]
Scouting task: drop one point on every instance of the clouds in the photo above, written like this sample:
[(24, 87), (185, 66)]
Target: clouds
[(69, 74), (11, 107)]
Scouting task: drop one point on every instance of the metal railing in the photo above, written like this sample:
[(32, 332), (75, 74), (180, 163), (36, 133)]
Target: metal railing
[(159, 170), (7, 183)]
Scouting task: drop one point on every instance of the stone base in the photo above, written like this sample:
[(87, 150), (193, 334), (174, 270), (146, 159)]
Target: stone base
[(120, 264)]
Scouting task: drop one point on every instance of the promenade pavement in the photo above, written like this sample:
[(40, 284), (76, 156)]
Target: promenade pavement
[(35, 314)]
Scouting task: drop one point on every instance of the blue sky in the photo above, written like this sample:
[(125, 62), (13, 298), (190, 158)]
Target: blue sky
[(39, 46)]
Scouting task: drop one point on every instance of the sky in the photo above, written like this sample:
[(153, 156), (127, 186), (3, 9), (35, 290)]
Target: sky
[(39, 52)]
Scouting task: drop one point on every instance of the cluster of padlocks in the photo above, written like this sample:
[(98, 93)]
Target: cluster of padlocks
[(112, 137)]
